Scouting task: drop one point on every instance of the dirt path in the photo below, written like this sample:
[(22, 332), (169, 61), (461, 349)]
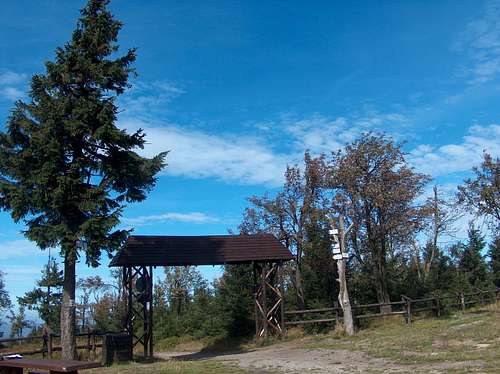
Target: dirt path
[(290, 358)]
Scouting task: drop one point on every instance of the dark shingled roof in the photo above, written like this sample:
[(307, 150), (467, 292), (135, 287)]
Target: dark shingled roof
[(200, 250)]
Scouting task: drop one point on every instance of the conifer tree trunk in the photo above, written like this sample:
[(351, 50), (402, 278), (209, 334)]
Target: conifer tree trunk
[(68, 340)]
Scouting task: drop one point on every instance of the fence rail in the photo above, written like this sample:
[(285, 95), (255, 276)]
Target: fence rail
[(408, 307), (48, 347)]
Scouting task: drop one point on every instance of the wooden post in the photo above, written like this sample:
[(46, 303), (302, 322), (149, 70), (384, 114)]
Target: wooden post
[(264, 300), (481, 296), (49, 345), (89, 345), (407, 302), (461, 298), (44, 344), (93, 343), (337, 314), (129, 281), (437, 306), (150, 311), (282, 292), (256, 300)]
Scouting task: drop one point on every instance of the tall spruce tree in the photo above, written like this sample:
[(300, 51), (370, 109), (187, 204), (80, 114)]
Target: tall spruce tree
[(66, 169)]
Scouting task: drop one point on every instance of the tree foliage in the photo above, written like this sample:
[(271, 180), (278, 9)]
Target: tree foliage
[(66, 169), (18, 322), (494, 254), (5, 303), (471, 261), (46, 297), (481, 194), (375, 188)]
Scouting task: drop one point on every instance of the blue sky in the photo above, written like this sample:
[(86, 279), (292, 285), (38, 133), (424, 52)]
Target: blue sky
[(238, 90)]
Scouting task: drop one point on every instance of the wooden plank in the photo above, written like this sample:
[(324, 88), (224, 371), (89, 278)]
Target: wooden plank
[(306, 311), (380, 314), (14, 340), (62, 366), (310, 321), (423, 309), (377, 305)]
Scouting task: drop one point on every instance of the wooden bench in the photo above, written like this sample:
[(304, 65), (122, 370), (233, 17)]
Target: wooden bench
[(16, 366)]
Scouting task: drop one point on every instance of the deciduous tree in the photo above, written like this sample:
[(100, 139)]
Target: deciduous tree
[(481, 194), (294, 215), (376, 190)]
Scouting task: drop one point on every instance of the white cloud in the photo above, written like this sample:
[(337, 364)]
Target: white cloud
[(253, 158), (146, 99), (452, 158), (481, 42), (11, 78), (11, 93), (323, 134), (11, 85), (193, 217), (15, 249), (196, 154)]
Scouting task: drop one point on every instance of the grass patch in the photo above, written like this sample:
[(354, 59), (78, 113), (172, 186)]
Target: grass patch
[(207, 344), (171, 367), (470, 336)]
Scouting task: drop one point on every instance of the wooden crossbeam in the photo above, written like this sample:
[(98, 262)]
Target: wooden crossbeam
[(139, 306), (268, 297)]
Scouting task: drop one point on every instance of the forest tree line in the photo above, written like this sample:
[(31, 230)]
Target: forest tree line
[(403, 241)]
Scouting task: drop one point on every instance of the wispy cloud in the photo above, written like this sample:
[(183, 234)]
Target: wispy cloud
[(196, 154), (15, 249), (481, 43), (11, 85), (193, 217), (250, 158), (323, 134), (145, 99), (452, 158)]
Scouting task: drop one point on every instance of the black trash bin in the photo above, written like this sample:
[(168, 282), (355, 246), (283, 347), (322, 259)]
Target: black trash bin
[(116, 348)]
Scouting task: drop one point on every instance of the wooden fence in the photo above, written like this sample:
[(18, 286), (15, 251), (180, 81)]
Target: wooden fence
[(407, 308), (48, 344)]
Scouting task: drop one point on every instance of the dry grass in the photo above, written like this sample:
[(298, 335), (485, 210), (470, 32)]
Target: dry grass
[(473, 336), (170, 367)]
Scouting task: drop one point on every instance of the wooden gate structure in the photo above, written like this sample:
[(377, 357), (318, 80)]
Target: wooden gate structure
[(141, 254)]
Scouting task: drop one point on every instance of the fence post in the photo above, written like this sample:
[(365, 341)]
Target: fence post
[(44, 344), (481, 296), (94, 345), (437, 306), (337, 314), (407, 302), (89, 346), (461, 299), (49, 345)]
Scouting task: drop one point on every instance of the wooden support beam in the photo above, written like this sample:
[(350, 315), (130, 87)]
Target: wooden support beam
[(139, 305), (268, 298)]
